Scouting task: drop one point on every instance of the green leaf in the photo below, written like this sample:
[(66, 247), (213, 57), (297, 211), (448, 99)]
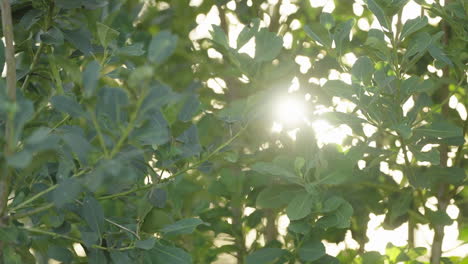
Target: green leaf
[(184, 226), (120, 257), (438, 217), (60, 253), (440, 129), (418, 45), (332, 204), (67, 104), (300, 206), (93, 214), (373, 257), (91, 77), (66, 192), (169, 255), (276, 170), (247, 33), (146, 244), (80, 39), (53, 37), (155, 220), (106, 34), (20, 160), (314, 36), (189, 109), (362, 70), (276, 196), (413, 25), (340, 218), (327, 20), (341, 35), (438, 54), (339, 88), (219, 37), (267, 45), (264, 256), (162, 46), (378, 12), (311, 251)]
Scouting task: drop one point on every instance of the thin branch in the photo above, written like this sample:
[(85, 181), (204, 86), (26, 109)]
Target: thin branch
[(193, 166)]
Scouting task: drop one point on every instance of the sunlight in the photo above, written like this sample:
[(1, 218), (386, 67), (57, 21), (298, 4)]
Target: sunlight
[(291, 111)]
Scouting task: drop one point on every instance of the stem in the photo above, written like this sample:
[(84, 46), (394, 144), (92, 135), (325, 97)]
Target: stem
[(99, 135), (32, 212), (129, 128), (76, 240), (32, 66), (7, 25), (193, 166)]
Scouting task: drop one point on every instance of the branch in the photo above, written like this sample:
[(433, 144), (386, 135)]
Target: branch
[(193, 166)]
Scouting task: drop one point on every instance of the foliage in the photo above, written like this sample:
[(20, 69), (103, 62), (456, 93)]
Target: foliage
[(121, 148)]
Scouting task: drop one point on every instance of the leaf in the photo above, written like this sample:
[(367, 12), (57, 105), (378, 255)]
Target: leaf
[(378, 12), (440, 129), (276, 196), (158, 197), (247, 33), (276, 170), (80, 39), (67, 105), (60, 254), (146, 244), (308, 30), (413, 25), (91, 77), (219, 37), (339, 88), (20, 160), (189, 109), (106, 34), (327, 20), (120, 257), (341, 35), (155, 220), (373, 257), (267, 45), (53, 37), (135, 49), (78, 144), (66, 192), (362, 70), (311, 251), (264, 256), (169, 255), (300, 206), (93, 214), (418, 45), (438, 54), (332, 204), (162, 46), (184, 226)]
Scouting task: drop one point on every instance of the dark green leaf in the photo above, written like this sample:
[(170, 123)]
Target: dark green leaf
[(146, 244), (267, 45), (413, 25), (184, 226), (161, 47), (327, 20), (378, 12), (300, 206), (91, 77), (93, 214), (276, 196), (66, 192), (106, 34), (67, 105), (80, 39), (311, 251), (264, 256), (169, 255), (362, 70)]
